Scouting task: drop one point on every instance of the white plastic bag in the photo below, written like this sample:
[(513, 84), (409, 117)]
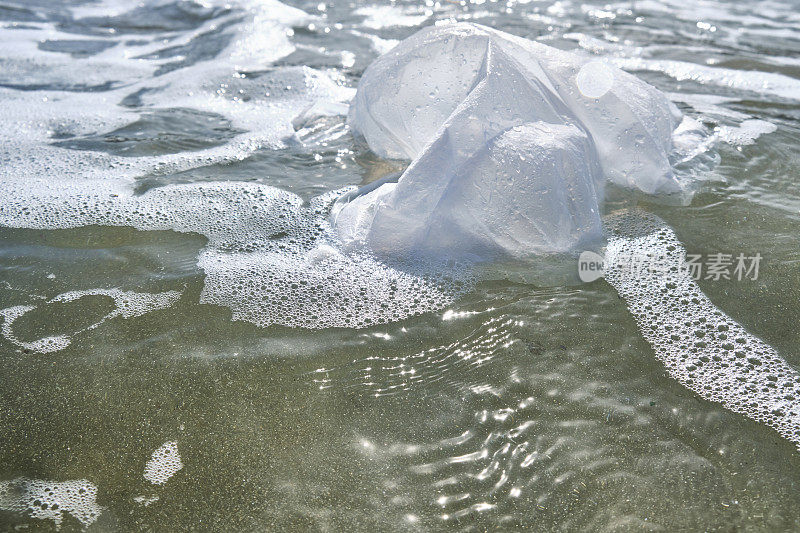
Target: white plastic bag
[(510, 142)]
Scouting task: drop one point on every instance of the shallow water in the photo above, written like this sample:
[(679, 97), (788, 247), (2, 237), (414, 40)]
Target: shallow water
[(518, 405)]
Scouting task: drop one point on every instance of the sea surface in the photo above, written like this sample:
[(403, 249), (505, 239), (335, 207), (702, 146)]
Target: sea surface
[(164, 365)]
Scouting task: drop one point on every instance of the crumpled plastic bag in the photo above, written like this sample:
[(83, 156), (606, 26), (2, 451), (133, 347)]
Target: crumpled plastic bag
[(510, 142)]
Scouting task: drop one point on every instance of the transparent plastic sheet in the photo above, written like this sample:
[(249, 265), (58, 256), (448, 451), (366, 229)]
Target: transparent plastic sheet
[(510, 143)]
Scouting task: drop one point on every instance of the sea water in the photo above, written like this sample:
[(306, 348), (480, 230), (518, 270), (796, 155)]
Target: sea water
[(182, 347)]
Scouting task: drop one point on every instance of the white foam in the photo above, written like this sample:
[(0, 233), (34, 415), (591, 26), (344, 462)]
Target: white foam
[(164, 463), (744, 80), (127, 304), (709, 104), (264, 277), (50, 500), (693, 140), (265, 35), (380, 45), (379, 17), (261, 106), (702, 347), (270, 258), (746, 132)]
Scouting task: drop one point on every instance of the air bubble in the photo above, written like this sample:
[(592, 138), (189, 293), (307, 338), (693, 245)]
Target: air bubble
[(742, 375)]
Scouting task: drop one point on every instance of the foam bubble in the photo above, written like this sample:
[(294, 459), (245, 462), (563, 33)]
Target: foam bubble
[(164, 463), (380, 17), (127, 304), (148, 75), (378, 44), (263, 38), (270, 258), (50, 500), (745, 133), (743, 80), (266, 253), (702, 347)]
